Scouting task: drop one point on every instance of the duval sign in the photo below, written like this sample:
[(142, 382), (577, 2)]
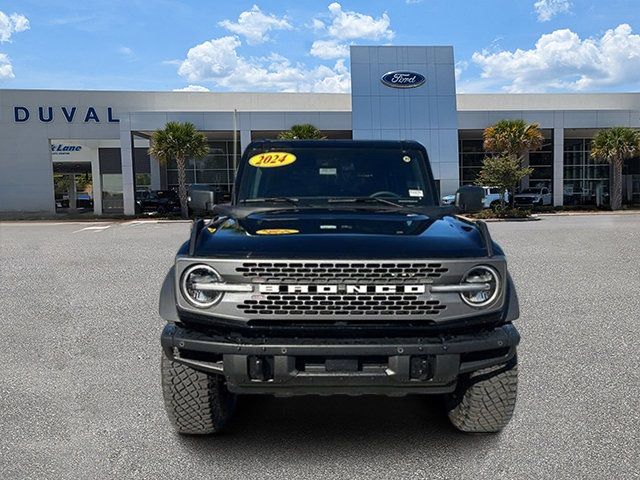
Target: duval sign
[(68, 114), (403, 79)]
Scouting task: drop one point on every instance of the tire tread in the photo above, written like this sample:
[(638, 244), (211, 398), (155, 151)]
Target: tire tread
[(196, 403), (486, 404)]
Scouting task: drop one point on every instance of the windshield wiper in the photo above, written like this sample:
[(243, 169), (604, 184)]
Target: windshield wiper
[(290, 200), (365, 200)]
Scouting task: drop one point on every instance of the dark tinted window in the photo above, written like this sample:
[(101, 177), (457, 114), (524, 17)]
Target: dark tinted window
[(341, 172)]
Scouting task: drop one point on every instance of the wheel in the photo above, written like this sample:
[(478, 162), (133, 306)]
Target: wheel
[(196, 403), (484, 402), (495, 204)]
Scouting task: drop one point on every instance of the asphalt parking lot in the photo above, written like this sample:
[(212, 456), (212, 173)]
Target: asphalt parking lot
[(80, 385)]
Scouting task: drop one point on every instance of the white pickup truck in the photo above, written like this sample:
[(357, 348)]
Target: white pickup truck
[(538, 196), (491, 199)]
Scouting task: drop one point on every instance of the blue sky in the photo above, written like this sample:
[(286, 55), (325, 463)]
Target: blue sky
[(302, 45)]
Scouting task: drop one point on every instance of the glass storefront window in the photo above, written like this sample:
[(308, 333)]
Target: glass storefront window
[(214, 169), (143, 181), (112, 199), (586, 181), (472, 155)]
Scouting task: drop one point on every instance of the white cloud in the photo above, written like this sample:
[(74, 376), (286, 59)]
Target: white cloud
[(354, 25), (217, 61), (317, 25), (561, 60), (211, 59), (192, 88), (460, 67), (10, 24), (6, 70), (344, 27), (127, 53), (547, 9), (329, 49), (254, 25)]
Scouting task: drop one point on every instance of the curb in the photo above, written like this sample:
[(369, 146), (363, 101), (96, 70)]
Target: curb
[(577, 214), (526, 219)]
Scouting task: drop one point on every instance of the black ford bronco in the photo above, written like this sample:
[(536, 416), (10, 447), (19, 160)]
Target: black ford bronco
[(334, 270)]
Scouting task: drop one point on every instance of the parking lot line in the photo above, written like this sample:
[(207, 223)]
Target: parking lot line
[(94, 228)]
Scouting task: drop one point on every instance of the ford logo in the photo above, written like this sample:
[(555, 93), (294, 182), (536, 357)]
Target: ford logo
[(401, 79)]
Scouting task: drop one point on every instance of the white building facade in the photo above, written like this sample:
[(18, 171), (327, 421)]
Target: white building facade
[(66, 151)]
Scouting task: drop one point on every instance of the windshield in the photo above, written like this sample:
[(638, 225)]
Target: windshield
[(531, 190), (312, 173)]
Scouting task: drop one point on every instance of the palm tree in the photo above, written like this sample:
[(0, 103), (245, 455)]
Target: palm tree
[(513, 139), (615, 145), (179, 141), (304, 131)]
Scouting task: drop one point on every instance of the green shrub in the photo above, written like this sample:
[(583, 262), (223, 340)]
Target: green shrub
[(503, 212)]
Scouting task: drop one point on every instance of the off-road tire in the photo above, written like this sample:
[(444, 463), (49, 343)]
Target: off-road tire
[(196, 403), (484, 402)]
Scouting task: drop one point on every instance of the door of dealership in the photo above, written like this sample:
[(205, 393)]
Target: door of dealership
[(73, 187)]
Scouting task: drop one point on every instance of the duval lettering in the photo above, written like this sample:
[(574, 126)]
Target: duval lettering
[(48, 114)]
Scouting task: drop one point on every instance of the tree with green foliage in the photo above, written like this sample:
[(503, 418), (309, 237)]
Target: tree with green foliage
[(179, 141), (511, 140), (615, 145), (503, 172), (303, 131), (514, 138)]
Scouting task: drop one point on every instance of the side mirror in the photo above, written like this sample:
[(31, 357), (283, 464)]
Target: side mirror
[(202, 198), (469, 199)]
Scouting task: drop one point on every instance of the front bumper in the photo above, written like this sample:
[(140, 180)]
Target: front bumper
[(388, 366)]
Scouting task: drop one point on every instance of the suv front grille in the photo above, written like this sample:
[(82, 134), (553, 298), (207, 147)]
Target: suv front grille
[(338, 273), (316, 304)]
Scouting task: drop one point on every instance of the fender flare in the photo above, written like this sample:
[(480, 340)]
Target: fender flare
[(512, 311), (167, 305)]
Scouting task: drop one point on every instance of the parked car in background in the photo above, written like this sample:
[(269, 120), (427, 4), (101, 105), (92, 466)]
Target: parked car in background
[(62, 200), (84, 200), (493, 195), (537, 196), (491, 199), (158, 201), (448, 200)]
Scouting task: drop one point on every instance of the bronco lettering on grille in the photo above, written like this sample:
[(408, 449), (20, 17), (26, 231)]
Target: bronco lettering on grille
[(349, 289)]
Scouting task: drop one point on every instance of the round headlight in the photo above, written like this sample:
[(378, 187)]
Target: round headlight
[(198, 275), (488, 282)]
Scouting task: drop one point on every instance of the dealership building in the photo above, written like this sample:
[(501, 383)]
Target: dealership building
[(66, 151)]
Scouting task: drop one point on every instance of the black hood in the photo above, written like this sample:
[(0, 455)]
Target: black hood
[(360, 234)]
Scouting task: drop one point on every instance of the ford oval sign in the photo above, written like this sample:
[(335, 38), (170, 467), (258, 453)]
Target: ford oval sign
[(402, 79)]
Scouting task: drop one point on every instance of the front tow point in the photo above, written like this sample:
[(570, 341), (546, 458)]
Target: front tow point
[(260, 367)]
